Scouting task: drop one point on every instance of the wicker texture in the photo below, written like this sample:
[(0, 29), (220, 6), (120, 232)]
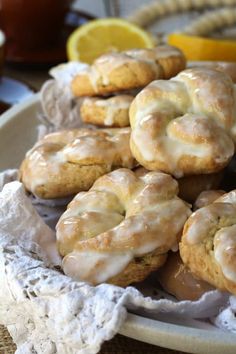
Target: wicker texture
[(117, 345)]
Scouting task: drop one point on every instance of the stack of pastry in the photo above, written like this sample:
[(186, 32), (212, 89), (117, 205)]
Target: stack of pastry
[(112, 80), (128, 213)]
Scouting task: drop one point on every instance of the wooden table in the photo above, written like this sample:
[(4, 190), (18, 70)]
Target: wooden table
[(119, 344)]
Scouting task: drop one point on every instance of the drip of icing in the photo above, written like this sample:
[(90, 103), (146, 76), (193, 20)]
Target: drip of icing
[(113, 105), (82, 265)]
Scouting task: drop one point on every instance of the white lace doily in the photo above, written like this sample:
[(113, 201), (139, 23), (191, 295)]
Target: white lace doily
[(47, 312)]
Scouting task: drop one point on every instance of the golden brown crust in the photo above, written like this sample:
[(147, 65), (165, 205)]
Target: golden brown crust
[(130, 74), (64, 163), (171, 64), (208, 244), (128, 70), (172, 123), (121, 229), (201, 261), (67, 180), (112, 112), (138, 269), (171, 59)]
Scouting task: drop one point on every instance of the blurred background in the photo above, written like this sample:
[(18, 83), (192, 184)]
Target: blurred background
[(36, 34)]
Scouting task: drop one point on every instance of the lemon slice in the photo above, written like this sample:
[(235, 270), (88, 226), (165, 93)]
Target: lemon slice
[(101, 36), (199, 48)]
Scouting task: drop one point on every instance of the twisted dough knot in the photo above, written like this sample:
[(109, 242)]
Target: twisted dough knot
[(67, 162), (128, 70), (183, 126), (208, 244), (122, 228)]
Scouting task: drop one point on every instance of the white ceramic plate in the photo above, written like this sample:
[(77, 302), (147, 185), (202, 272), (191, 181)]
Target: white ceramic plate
[(18, 133)]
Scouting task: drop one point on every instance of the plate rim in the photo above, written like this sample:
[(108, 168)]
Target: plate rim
[(19, 107), (197, 340)]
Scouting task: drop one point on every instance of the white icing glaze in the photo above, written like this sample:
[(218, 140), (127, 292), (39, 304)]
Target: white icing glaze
[(38, 161), (228, 198), (171, 149), (151, 207), (86, 147), (180, 117), (81, 266), (103, 66), (46, 159), (205, 220), (100, 266), (113, 105), (211, 94), (104, 150), (225, 251), (94, 76)]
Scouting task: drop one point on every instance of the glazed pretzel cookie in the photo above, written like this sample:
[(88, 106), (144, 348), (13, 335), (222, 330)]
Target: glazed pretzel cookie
[(177, 279), (208, 244), (128, 70), (122, 228), (112, 111), (66, 162), (182, 126)]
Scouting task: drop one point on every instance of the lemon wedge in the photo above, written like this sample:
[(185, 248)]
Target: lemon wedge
[(199, 48), (101, 36)]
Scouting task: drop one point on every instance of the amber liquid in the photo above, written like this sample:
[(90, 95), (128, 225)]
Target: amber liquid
[(32, 24)]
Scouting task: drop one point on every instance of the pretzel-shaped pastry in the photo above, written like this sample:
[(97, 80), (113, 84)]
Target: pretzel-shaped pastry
[(121, 229), (112, 111), (183, 126), (208, 244), (66, 162), (128, 70), (177, 279)]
